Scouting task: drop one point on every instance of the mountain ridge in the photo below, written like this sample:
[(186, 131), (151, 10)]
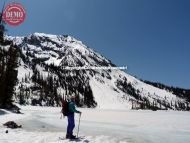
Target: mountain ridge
[(42, 79)]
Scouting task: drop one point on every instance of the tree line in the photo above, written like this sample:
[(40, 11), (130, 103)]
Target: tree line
[(46, 89), (8, 72), (150, 102)]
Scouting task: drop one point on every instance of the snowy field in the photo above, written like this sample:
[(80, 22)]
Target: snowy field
[(43, 125)]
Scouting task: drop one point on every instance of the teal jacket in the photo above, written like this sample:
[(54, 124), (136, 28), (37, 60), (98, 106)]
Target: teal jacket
[(72, 108)]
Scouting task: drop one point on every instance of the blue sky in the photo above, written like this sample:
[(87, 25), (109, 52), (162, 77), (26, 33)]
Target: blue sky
[(151, 37)]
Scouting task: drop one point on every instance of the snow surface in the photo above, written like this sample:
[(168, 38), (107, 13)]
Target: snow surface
[(106, 97), (43, 125)]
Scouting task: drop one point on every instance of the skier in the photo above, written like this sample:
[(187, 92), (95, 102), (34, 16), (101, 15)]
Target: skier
[(71, 119)]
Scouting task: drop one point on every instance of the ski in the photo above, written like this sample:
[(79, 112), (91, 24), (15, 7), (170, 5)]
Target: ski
[(74, 139)]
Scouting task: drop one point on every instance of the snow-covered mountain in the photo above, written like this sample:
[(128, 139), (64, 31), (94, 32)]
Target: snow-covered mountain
[(43, 79)]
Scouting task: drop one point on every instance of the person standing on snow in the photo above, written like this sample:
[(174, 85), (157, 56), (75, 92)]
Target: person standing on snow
[(71, 119)]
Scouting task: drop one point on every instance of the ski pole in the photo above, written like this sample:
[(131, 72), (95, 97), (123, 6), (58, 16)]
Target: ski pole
[(61, 116), (78, 126)]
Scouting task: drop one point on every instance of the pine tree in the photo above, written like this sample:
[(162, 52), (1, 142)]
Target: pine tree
[(8, 77), (2, 26)]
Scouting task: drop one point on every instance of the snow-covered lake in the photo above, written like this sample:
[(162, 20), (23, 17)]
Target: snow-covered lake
[(43, 125)]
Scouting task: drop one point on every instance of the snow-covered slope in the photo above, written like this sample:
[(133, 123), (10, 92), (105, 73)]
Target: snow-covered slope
[(43, 125), (43, 79)]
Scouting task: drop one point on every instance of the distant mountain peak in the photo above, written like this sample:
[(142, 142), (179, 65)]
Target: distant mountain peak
[(42, 79)]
